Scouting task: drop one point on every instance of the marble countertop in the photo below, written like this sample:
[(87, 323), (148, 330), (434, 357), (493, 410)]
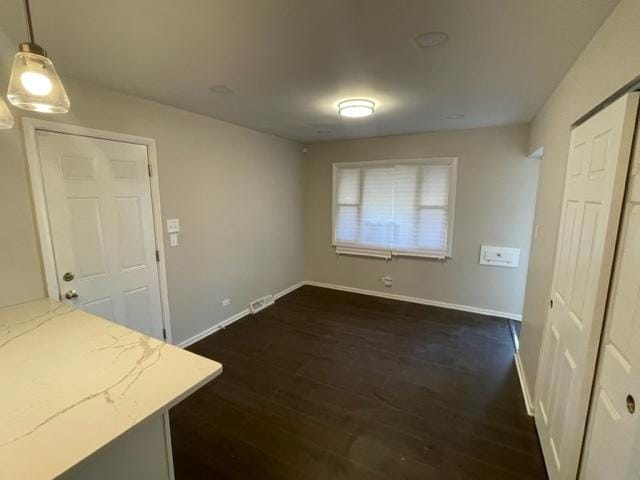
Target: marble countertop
[(72, 382)]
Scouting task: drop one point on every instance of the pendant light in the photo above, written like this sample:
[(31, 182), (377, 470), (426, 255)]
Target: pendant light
[(6, 119), (34, 83)]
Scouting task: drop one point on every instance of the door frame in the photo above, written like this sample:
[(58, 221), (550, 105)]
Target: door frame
[(30, 128), (622, 186)]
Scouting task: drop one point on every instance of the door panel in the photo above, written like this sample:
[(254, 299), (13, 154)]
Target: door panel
[(137, 309), (101, 307), (87, 236), (100, 214), (130, 234), (596, 172), (77, 168), (613, 440)]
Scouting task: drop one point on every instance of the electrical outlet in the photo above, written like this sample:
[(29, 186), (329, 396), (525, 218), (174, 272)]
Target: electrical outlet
[(173, 239), (226, 302), (387, 280)]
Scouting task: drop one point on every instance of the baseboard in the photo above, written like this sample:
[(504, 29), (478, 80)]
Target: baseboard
[(422, 301), (228, 321), (393, 296), (528, 402), (289, 290), (218, 326)]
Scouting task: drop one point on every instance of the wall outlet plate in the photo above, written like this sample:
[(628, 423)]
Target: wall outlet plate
[(173, 225), (173, 239), (226, 302), (387, 280)]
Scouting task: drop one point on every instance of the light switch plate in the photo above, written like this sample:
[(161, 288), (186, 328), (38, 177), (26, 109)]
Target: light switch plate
[(173, 225), (173, 239)]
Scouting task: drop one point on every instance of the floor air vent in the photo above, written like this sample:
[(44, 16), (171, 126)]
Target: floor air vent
[(261, 303)]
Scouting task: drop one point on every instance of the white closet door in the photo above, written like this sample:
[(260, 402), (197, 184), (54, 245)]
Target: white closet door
[(100, 214), (613, 439), (596, 172)]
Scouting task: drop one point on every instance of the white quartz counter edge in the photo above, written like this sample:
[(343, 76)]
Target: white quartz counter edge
[(75, 382)]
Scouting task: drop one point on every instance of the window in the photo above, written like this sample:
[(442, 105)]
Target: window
[(394, 207)]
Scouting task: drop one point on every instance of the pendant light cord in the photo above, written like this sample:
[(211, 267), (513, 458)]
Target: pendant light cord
[(27, 14)]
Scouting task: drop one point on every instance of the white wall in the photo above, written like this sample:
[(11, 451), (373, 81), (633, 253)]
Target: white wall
[(609, 61), (237, 193), (494, 205)]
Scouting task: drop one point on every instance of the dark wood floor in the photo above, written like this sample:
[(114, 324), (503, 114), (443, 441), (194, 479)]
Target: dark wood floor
[(334, 385)]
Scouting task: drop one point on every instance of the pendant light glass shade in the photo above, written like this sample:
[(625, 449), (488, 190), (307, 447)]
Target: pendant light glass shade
[(35, 85), (6, 119)]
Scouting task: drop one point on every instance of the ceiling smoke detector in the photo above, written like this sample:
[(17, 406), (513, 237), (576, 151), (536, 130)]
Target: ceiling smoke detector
[(431, 39), (222, 89)]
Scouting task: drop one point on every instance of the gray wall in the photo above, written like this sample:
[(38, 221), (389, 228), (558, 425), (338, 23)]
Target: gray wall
[(494, 205), (140, 454), (609, 61), (237, 193)]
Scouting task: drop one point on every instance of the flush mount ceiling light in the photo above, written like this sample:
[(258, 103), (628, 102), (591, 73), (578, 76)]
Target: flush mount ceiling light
[(431, 39), (34, 84), (356, 108), (6, 119)]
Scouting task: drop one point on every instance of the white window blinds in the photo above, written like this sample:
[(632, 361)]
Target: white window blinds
[(402, 207)]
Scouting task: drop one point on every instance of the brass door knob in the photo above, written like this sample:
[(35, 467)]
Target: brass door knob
[(71, 294)]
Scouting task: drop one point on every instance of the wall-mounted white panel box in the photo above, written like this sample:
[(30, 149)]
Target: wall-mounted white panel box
[(500, 256)]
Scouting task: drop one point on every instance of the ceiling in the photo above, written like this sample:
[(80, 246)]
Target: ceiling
[(289, 62)]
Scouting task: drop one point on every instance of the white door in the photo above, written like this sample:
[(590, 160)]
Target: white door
[(613, 439), (596, 171), (100, 214)]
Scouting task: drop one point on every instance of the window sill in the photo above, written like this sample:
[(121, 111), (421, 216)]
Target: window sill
[(387, 254)]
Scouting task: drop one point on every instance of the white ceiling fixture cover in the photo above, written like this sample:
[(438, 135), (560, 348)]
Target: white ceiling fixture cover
[(356, 108)]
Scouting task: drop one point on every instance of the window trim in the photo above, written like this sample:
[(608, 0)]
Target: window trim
[(343, 248)]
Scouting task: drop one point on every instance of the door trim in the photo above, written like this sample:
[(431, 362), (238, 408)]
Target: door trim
[(30, 127)]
